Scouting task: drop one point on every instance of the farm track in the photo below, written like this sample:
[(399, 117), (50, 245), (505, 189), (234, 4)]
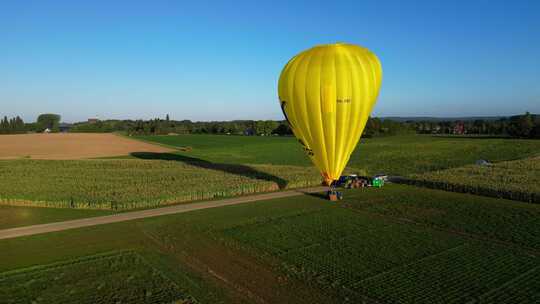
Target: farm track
[(128, 216)]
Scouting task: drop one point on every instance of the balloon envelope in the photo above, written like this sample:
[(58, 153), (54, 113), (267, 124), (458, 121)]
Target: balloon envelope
[(327, 94)]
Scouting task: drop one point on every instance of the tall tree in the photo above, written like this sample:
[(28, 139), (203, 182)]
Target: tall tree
[(48, 121), (521, 126)]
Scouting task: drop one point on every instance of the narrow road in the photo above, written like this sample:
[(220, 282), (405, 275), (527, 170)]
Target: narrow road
[(128, 216)]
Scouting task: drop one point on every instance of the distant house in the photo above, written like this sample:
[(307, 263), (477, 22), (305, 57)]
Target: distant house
[(93, 120)]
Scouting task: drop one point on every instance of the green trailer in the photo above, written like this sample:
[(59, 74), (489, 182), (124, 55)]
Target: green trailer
[(377, 182)]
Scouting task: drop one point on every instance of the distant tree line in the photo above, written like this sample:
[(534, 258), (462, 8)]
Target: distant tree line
[(101, 126), (376, 127), (16, 125), (12, 125), (235, 127), (520, 126), (165, 126)]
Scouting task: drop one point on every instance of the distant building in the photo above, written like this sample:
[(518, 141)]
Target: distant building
[(93, 120)]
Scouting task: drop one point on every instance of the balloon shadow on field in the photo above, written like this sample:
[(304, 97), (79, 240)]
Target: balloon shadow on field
[(237, 169)]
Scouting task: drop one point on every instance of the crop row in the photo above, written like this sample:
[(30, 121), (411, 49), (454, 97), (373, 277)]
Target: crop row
[(111, 278), (127, 184), (515, 180), (523, 289), (459, 275), (508, 221), (338, 247)]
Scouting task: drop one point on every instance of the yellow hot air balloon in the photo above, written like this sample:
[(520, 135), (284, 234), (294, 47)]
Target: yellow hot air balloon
[(327, 94)]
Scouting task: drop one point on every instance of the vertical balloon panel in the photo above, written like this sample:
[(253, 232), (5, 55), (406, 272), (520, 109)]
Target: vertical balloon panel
[(327, 94)]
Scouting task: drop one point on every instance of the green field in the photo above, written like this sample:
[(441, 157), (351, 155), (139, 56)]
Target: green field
[(518, 179), (395, 244), (118, 277), (222, 166), (11, 216), (395, 155), (119, 184)]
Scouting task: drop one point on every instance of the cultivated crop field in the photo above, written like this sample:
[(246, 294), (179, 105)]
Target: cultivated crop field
[(519, 179), (395, 155), (219, 166), (117, 277), (394, 244), (397, 244), (11, 217), (494, 219), (119, 184), (70, 146)]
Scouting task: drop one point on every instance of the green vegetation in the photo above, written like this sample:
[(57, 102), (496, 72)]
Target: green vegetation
[(48, 121), (518, 180), (394, 244), (99, 126), (13, 125), (220, 166), (117, 277), (519, 126), (495, 219), (398, 155), (11, 217), (126, 184), (469, 272)]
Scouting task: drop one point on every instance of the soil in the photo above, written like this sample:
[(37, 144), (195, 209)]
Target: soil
[(71, 146)]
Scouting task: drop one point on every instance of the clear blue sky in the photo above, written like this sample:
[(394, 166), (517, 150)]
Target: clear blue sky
[(204, 60)]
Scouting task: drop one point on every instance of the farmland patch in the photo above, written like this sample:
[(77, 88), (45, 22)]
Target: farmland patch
[(129, 183), (121, 277), (314, 251), (71, 146), (484, 217), (395, 155), (517, 180), (459, 275)]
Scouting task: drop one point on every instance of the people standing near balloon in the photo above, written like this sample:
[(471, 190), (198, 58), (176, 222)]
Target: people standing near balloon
[(327, 94)]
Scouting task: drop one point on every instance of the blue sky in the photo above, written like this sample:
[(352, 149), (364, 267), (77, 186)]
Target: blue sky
[(220, 60)]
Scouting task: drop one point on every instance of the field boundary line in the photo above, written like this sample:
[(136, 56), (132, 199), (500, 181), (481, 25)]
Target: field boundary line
[(175, 148), (134, 215)]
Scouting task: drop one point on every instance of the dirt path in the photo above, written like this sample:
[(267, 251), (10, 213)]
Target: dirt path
[(128, 216)]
